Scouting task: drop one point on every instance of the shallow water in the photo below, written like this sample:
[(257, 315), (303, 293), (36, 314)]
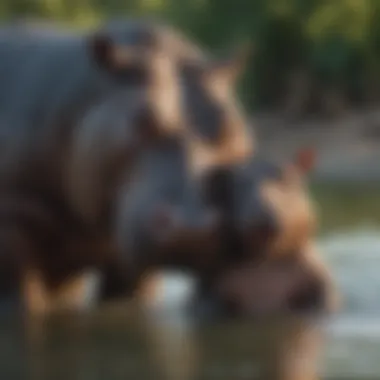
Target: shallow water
[(115, 348), (354, 337)]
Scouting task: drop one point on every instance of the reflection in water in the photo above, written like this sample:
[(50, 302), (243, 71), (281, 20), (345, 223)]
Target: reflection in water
[(115, 343), (115, 350)]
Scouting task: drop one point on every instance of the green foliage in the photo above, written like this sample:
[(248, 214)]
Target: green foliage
[(336, 42)]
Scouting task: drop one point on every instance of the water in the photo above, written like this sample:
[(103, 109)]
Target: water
[(115, 349), (352, 338), (353, 346), (354, 258)]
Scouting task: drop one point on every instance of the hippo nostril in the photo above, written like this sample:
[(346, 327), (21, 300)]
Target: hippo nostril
[(312, 298)]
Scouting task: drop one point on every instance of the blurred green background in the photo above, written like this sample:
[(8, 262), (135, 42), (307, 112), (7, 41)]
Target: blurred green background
[(325, 49)]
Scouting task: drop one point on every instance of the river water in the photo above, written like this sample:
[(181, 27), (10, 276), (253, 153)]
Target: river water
[(116, 350), (354, 336)]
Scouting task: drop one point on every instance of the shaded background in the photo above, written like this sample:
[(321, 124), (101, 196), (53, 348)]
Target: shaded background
[(307, 51), (313, 80), (315, 72)]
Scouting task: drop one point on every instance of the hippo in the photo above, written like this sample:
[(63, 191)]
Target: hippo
[(273, 226), (81, 114)]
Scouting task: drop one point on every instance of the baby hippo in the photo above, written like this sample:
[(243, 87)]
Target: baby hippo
[(278, 270)]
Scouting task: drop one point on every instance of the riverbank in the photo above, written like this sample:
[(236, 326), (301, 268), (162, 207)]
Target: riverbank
[(348, 149), (346, 204)]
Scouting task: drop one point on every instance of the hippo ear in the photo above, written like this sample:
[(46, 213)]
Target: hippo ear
[(227, 71), (107, 55), (305, 160)]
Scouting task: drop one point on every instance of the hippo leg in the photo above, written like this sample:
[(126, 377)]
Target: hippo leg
[(78, 295)]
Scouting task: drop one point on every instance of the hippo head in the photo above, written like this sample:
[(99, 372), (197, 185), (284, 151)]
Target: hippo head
[(268, 263), (155, 85), (136, 102), (144, 76), (272, 212)]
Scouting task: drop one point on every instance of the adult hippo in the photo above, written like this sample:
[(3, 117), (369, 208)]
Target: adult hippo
[(75, 111)]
